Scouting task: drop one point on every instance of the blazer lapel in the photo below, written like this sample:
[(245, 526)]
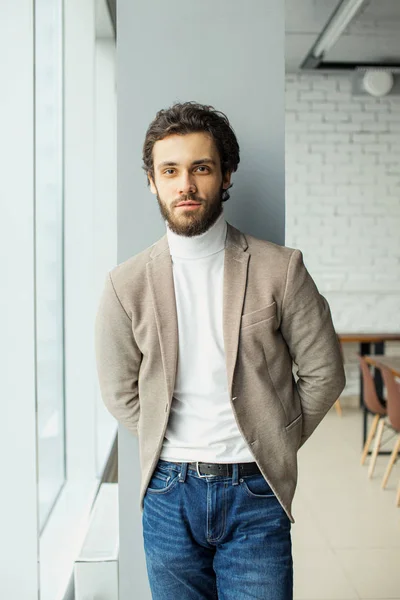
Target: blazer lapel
[(161, 282), (235, 279)]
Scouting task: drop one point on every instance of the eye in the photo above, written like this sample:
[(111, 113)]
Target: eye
[(206, 169), (168, 171)]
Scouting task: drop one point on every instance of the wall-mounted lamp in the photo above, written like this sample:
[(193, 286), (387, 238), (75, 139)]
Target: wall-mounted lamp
[(378, 83)]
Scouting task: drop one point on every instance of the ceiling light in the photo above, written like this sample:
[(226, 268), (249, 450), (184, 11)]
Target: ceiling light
[(336, 26)]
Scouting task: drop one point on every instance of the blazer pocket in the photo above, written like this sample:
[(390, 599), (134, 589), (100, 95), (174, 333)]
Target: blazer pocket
[(294, 422), (256, 316)]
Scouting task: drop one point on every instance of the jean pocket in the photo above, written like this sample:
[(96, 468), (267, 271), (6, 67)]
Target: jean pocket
[(162, 481), (256, 486)]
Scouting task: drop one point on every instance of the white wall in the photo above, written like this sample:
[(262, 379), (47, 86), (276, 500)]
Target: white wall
[(343, 199)]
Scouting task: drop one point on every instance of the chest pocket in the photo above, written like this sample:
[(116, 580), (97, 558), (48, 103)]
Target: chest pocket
[(257, 316)]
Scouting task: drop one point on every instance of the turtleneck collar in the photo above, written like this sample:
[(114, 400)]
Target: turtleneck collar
[(199, 246)]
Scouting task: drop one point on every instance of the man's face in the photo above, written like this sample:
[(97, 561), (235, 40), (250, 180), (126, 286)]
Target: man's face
[(187, 169)]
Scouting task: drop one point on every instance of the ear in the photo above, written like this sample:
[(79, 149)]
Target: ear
[(152, 186), (226, 180)]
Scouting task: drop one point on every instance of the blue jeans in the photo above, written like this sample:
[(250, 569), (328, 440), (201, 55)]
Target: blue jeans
[(215, 537)]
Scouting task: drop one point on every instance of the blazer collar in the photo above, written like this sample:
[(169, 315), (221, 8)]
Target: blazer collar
[(234, 239)]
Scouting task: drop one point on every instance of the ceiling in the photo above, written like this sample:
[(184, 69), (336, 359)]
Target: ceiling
[(373, 37)]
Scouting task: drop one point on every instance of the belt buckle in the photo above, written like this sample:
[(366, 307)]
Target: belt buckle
[(198, 472)]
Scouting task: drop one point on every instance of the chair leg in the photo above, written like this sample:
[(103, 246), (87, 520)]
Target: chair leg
[(376, 448), (370, 437), (392, 460), (338, 407)]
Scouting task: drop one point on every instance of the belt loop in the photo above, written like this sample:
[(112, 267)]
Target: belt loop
[(183, 473), (235, 474)]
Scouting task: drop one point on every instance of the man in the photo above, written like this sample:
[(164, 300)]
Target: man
[(198, 338)]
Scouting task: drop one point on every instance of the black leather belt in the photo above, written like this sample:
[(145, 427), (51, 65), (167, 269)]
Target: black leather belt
[(225, 470)]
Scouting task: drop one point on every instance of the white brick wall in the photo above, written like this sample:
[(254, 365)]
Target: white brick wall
[(343, 200)]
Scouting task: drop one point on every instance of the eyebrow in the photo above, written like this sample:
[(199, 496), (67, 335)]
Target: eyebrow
[(201, 161)]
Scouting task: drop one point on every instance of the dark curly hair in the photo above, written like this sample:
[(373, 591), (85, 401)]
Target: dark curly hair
[(191, 117)]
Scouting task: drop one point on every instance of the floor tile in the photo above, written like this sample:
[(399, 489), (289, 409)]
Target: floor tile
[(319, 576), (306, 532), (375, 573), (346, 539)]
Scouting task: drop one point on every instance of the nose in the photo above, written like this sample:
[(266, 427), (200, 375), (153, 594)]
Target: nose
[(186, 184)]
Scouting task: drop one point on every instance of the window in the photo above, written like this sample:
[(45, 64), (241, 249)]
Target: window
[(49, 252)]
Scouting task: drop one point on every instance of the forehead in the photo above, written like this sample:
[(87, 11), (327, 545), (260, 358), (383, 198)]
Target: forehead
[(184, 148)]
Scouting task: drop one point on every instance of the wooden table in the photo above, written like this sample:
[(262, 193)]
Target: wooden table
[(369, 338), (366, 341)]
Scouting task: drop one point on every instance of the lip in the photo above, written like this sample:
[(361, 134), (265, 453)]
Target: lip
[(188, 206)]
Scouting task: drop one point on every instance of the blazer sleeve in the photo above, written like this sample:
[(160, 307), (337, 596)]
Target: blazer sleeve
[(118, 359), (308, 330)]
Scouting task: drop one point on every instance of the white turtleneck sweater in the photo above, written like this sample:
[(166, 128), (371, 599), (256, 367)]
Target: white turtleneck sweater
[(201, 426)]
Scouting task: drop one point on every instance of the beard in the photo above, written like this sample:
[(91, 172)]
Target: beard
[(195, 222)]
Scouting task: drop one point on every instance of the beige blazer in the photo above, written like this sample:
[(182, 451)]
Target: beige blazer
[(274, 321)]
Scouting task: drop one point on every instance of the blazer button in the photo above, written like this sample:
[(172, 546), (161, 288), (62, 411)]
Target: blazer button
[(234, 398)]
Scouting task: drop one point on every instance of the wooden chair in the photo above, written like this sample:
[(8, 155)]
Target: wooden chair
[(337, 404), (393, 410), (338, 408), (375, 406)]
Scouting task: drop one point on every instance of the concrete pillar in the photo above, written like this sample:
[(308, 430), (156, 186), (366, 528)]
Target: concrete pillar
[(229, 54)]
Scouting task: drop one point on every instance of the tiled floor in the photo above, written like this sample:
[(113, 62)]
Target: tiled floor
[(346, 539)]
